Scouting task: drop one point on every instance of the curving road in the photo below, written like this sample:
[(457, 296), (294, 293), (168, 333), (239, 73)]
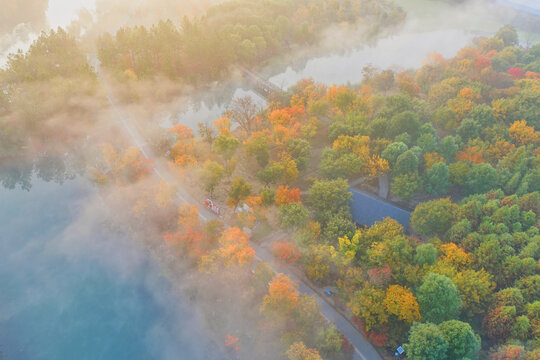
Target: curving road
[(363, 350)]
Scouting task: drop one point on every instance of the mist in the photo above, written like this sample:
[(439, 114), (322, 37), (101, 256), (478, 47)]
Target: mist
[(81, 264), (100, 159)]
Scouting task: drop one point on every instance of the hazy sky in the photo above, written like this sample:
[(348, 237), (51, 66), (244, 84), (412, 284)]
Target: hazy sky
[(62, 12)]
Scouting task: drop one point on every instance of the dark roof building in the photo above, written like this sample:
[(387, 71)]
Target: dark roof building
[(366, 209)]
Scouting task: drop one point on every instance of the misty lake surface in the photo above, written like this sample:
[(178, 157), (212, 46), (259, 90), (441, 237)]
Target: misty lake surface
[(431, 27), (70, 289)]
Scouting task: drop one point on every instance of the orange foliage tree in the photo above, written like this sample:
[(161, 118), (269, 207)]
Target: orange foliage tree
[(471, 153), (233, 250), (189, 238), (234, 247), (282, 297), (122, 168), (183, 151), (406, 84), (499, 150), (284, 195), (223, 126), (287, 123)]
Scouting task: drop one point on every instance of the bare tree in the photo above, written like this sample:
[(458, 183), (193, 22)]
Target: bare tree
[(243, 112)]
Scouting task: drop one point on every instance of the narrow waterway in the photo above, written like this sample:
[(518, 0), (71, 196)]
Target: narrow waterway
[(73, 289)]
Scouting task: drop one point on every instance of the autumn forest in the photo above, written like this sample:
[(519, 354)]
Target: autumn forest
[(265, 220)]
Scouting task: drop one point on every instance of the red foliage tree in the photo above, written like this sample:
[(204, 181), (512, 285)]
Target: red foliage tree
[(380, 276), (378, 339), (516, 72), (285, 252)]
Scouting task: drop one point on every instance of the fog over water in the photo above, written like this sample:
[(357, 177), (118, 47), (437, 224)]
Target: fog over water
[(74, 289), (430, 27)]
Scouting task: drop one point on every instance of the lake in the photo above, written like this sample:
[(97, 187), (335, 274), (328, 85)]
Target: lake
[(71, 289), (431, 26)]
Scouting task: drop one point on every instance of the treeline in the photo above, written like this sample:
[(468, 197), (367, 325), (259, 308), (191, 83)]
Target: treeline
[(236, 32), (467, 127)]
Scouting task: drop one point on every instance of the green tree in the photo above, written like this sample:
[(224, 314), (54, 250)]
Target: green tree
[(406, 121), (462, 341), (426, 341), (426, 254), (293, 215), (262, 275), (508, 35), (428, 143), (530, 287), (521, 329), (468, 129), (226, 146), (300, 150), (481, 179), (328, 199), (406, 163), (509, 297), (334, 166), (240, 190), (439, 299), (258, 147), (483, 114), (489, 255), (268, 197), (329, 341), (338, 226), (270, 174), (448, 148), (406, 185), (436, 179), (392, 152), (211, 175), (434, 217), (458, 172)]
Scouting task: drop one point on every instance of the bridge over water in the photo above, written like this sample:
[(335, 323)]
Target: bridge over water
[(260, 85)]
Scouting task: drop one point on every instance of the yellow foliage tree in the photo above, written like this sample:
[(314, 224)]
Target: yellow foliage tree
[(523, 134), (455, 256), (401, 302)]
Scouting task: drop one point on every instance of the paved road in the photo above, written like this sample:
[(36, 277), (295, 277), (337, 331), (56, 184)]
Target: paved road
[(363, 350)]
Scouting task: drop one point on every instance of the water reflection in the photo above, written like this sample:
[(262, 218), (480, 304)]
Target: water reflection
[(398, 52), (58, 168), (207, 106)]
